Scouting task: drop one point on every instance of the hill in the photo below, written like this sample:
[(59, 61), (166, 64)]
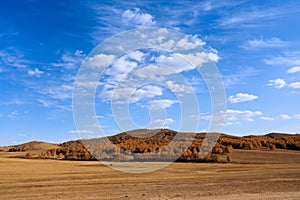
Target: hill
[(154, 145)]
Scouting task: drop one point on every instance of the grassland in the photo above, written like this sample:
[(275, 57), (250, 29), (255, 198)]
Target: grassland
[(274, 175)]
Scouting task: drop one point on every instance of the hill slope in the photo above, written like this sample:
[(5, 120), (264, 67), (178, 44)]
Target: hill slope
[(153, 145)]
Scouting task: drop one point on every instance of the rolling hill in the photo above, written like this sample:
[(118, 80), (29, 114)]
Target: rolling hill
[(154, 145)]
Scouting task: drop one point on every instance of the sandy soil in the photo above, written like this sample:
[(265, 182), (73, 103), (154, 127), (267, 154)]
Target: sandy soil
[(53, 179)]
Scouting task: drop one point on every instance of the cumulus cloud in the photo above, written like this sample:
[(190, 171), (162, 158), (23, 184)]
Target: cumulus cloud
[(131, 95), (295, 85), (177, 64), (277, 83), (99, 61), (293, 70), (199, 58), (149, 91), (153, 72), (187, 44), (179, 88), (261, 43), (36, 72), (241, 97), (138, 18)]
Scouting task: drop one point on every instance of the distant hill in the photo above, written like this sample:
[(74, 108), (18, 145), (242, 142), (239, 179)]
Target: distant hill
[(152, 145), (32, 146)]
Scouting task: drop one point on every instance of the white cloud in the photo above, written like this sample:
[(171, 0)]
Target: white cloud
[(149, 91), (36, 72), (153, 72), (136, 55), (61, 92), (13, 57), (187, 44), (162, 122), (81, 132), (293, 70), (176, 64), (199, 58), (250, 17), (137, 18), (162, 103), (235, 116), (179, 88), (131, 95), (45, 103), (99, 117), (285, 116), (70, 60), (99, 61), (295, 85), (261, 43), (277, 83), (120, 67), (241, 97), (288, 58), (242, 115), (13, 114), (267, 118)]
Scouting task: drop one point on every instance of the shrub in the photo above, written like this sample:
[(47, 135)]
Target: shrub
[(215, 158), (229, 158), (228, 149), (272, 147)]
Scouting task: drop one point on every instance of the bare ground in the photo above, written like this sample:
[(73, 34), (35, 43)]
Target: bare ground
[(276, 175)]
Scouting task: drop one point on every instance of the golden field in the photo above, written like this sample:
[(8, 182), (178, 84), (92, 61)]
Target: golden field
[(253, 174)]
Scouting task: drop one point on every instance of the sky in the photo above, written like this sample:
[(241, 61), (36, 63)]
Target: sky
[(254, 44)]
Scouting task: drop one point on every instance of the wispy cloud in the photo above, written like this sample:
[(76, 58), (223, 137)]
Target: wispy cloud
[(263, 43), (70, 60), (13, 114), (286, 59), (36, 72), (288, 117), (239, 77), (162, 103), (12, 57), (235, 116), (251, 17)]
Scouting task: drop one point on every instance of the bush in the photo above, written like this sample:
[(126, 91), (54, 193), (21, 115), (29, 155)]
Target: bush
[(272, 147), (215, 158), (229, 158), (228, 149)]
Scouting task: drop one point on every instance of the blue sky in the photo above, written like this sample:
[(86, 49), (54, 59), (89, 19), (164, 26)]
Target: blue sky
[(255, 45)]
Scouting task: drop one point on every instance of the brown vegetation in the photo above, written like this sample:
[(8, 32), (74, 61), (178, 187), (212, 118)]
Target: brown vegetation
[(157, 147)]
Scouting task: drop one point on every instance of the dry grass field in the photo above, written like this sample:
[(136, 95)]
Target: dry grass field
[(275, 175)]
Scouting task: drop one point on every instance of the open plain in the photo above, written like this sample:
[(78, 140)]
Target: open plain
[(275, 175)]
